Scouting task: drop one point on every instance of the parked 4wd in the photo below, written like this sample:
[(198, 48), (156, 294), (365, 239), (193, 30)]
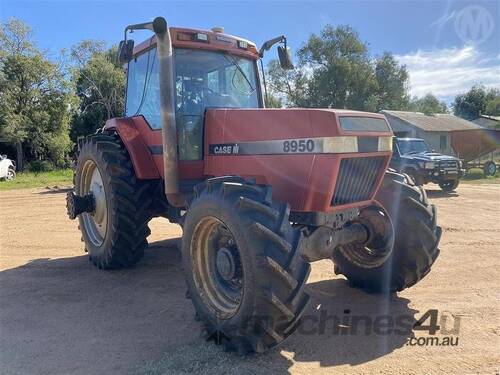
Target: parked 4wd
[(7, 168), (414, 157)]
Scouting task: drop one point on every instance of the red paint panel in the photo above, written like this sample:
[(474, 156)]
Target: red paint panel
[(136, 146), (138, 136)]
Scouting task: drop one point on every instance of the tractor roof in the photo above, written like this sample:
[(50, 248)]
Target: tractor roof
[(204, 39)]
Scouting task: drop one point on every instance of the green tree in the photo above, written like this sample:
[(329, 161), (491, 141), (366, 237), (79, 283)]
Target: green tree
[(335, 71), (273, 101), (477, 101), (36, 98), (100, 86), (392, 83), (342, 75), (292, 84), (427, 104)]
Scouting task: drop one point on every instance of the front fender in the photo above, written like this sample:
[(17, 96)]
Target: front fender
[(140, 155)]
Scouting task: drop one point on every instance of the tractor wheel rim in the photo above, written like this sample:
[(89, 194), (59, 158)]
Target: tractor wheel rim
[(95, 222), (380, 244), (217, 267), (10, 175)]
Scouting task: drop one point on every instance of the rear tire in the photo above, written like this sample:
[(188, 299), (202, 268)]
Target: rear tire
[(272, 271), (449, 185), (121, 238), (490, 168), (416, 239)]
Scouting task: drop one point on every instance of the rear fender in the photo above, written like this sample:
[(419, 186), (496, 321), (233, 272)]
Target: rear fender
[(142, 160)]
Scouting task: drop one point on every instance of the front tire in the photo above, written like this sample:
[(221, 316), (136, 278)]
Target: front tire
[(11, 174), (449, 185), (416, 239), (115, 232), (254, 300)]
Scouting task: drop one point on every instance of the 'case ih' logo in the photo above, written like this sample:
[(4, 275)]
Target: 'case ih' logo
[(224, 149)]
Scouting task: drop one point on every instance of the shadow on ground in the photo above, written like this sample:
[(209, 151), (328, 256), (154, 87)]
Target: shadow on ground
[(441, 194), (65, 316), (55, 190)]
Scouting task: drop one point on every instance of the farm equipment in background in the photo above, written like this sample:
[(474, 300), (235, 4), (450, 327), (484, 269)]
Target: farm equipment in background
[(259, 192), (473, 145)]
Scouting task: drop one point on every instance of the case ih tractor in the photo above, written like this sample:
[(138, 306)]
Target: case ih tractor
[(259, 192)]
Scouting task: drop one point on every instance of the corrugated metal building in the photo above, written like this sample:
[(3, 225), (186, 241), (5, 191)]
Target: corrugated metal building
[(436, 129), (490, 122)]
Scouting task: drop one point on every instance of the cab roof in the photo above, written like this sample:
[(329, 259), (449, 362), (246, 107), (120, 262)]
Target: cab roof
[(204, 39)]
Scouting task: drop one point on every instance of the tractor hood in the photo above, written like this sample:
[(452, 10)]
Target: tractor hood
[(319, 125), (301, 152)]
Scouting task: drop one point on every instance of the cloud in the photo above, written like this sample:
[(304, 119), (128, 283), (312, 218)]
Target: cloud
[(451, 71)]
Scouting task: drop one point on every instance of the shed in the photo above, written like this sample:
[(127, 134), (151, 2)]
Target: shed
[(440, 131), (490, 122)]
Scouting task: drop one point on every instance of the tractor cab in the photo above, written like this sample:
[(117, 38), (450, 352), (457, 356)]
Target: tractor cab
[(204, 78), (211, 69)]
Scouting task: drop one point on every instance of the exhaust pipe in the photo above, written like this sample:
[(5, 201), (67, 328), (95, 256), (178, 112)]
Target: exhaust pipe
[(167, 110), (167, 107)]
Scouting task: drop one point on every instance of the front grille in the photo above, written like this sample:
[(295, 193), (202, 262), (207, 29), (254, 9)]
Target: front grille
[(356, 180), (448, 165)]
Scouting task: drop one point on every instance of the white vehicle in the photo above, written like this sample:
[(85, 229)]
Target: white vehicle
[(7, 168)]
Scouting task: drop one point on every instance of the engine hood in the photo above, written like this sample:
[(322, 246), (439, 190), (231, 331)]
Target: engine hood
[(269, 123)]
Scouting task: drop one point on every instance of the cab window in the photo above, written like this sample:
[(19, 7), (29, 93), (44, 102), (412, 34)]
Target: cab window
[(203, 79), (143, 88)]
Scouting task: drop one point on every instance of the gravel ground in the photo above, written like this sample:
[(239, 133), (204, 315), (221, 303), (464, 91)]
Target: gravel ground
[(60, 315)]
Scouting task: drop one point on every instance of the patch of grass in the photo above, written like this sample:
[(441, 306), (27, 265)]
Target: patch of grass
[(476, 176), (24, 180)]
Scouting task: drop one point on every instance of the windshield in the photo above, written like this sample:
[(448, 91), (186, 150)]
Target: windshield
[(214, 79), (203, 79), (412, 147)]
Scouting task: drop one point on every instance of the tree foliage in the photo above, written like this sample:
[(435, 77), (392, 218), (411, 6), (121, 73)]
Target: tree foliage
[(336, 71), (427, 104), (477, 101), (100, 86), (36, 98)]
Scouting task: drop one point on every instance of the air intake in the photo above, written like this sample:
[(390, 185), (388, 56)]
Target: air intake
[(356, 180)]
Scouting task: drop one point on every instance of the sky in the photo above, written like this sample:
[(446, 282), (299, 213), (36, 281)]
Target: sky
[(447, 46)]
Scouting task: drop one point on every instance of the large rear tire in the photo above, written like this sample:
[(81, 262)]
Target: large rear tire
[(416, 239), (243, 267), (115, 233)]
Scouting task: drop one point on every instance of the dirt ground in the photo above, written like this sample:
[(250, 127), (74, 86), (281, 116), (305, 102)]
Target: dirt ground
[(60, 315)]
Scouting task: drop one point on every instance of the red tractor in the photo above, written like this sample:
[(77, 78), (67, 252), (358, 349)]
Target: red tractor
[(259, 192)]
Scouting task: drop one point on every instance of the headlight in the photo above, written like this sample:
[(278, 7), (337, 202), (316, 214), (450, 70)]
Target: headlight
[(460, 164), (429, 165)]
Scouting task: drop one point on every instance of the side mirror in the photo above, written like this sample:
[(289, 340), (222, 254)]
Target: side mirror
[(125, 51), (285, 58)]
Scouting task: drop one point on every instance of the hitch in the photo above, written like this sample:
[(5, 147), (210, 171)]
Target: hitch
[(372, 229), (324, 240), (77, 205)]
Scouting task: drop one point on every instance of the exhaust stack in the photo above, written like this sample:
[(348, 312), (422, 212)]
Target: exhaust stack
[(167, 107), (167, 110)]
